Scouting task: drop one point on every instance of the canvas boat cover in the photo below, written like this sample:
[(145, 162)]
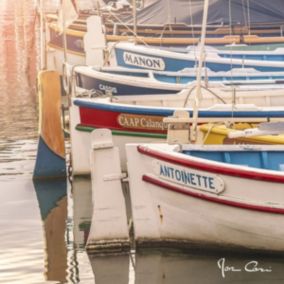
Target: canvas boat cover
[(220, 12)]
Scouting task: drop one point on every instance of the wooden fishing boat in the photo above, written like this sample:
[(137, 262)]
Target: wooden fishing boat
[(221, 196), (241, 86), (185, 23), (81, 39), (116, 27), (86, 74), (137, 56), (75, 40), (50, 160), (94, 42), (172, 36), (248, 134), (138, 123)]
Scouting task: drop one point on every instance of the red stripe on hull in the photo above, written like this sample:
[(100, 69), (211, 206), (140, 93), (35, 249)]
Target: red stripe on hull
[(202, 196), (249, 174), (99, 118), (118, 121)]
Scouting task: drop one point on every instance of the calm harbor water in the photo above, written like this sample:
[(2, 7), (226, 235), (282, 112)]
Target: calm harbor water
[(44, 225)]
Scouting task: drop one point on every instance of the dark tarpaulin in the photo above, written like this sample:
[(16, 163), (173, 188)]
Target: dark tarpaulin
[(220, 12)]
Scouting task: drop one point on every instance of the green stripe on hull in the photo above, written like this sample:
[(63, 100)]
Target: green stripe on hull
[(80, 127)]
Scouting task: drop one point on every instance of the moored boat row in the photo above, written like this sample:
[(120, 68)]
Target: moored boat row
[(180, 194)]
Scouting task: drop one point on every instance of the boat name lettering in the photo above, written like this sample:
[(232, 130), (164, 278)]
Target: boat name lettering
[(191, 178), (143, 61), (141, 122), (107, 89)]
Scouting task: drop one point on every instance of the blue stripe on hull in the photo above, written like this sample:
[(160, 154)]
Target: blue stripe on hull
[(270, 160), (169, 111), (48, 164)]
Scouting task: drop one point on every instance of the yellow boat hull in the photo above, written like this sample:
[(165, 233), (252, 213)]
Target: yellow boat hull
[(212, 134)]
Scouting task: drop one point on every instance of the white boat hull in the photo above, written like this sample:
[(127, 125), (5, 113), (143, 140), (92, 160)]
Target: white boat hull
[(149, 90), (81, 145), (259, 96), (238, 217), (142, 126)]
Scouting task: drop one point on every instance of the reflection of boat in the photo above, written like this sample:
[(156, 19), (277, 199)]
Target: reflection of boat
[(138, 123), (218, 134), (82, 210), (51, 195), (110, 268), (222, 196), (169, 266)]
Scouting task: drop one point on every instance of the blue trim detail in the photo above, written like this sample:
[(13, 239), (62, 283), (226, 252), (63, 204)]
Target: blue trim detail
[(48, 164), (168, 112)]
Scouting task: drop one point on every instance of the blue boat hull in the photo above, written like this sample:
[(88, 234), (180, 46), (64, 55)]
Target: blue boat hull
[(48, 163), (132, 59)]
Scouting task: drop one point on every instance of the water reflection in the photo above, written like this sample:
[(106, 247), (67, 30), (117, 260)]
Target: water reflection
[(52, 201), (22, 256), (36, 220), (169, 266), (111, 269), (80, 213), (66, 214), (18, 114), (82, 208)]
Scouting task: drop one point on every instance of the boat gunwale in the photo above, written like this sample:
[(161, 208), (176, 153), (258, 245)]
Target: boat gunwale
[(217, 167)]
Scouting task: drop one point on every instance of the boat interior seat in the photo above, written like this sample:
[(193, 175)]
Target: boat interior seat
[(257, 159), (281, 167)]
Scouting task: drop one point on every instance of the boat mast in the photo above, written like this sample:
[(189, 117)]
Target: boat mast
[(42, 36), (63, 5), (134, 10), (193, 132)]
